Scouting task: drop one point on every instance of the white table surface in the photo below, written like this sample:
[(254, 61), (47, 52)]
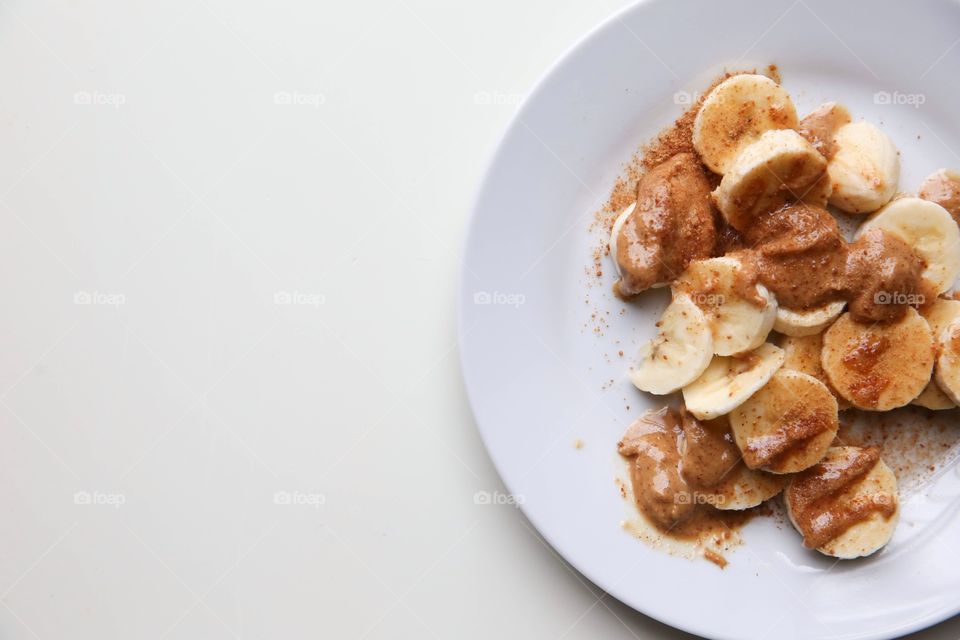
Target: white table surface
[(230, 242)]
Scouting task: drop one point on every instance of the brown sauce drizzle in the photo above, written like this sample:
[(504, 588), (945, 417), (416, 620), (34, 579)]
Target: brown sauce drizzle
[(675, 461), (863, 358), (816, 510), (673, 224), (867, 352), (797, 428), (801, 256)]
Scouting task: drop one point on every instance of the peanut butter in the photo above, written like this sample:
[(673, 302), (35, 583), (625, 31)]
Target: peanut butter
[(818, 510), (677, 463), (801, 256), (673, 224), (883, 276)]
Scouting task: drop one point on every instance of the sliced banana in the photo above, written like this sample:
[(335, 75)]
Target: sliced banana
[(943, 187), (778, 166), (878, 367), (824, 495), (741, 311), (864, 169), (810, 322), (929, 230), (745, 488), (802, 353), (735, 114), (933, 398), (939, 315), (679, 354), (730, 381), (948, 361), (787, 425), (615, 232)]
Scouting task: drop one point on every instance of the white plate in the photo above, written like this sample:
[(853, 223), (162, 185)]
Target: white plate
[(539, 378)]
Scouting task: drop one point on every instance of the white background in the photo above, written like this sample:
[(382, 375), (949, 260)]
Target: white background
[(230, 242)]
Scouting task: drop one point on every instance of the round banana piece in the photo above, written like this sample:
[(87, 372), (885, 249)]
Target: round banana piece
[(679, 353), (878, 367), (874, 490), (745, 488), (948, 361), (943, 187), (788, 425), (802, 353), (741, 311), (735, 114), (939, 315), (929, 230), (615, 232), (778, 166), (807, 323), (933, 398), (864, 169), (730, 381)]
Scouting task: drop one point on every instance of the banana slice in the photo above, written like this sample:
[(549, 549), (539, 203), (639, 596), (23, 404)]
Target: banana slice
[(778, 166), (680, 352), (878, 367), (730, 381), (807, 323), (933, 398), (943, 187), (847, 506), (948, 362), (802, 353), (741, 311), (735, 114), (939, 315), (615, 231), (929, 230), (788, 425), (745, 488), (864, 169)]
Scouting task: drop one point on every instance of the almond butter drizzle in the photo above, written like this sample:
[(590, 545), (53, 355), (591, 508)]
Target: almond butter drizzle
[(677, 462), (797, 427), (819, 515)]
